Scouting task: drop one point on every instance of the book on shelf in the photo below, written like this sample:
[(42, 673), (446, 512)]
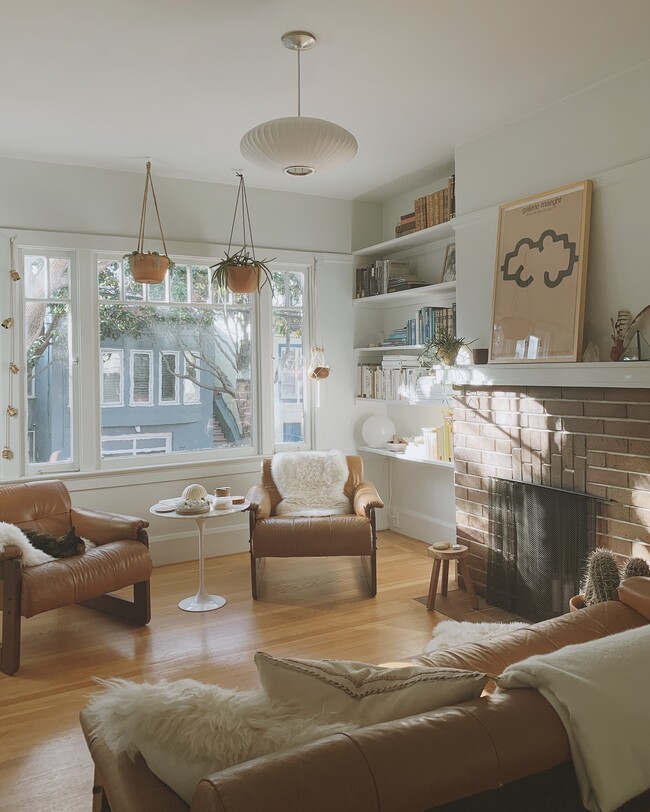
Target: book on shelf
[(391, 383), (375, 280), (430, 210), (432, 322)]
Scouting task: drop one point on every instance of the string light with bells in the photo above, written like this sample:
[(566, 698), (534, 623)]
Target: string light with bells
[(8, 324)]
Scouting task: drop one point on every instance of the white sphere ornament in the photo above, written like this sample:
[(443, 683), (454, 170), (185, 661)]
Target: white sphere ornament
[(377, 431)]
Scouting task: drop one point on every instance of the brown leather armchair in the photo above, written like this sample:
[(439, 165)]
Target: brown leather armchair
[(273, 536), (121, 558)]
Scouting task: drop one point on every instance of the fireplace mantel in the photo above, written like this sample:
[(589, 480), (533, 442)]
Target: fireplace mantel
[(620, 374)]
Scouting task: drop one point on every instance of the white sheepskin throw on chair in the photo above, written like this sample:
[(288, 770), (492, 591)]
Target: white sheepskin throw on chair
[(451, 633), (311, 483), (186, 729), (12, 535)]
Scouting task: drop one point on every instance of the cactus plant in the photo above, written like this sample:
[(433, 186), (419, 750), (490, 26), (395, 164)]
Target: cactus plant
[(635, 566), (603, 577)]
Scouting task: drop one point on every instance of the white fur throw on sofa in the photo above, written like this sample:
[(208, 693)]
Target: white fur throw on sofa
[(12, 535), (311, 483), (186, 730)]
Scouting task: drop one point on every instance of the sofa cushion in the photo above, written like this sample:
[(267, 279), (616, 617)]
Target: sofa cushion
[(363, 693), (186, 729)]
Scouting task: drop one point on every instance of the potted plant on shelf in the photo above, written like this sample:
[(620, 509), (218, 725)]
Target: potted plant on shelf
[(240, 271), (149, 268), (443, 348)]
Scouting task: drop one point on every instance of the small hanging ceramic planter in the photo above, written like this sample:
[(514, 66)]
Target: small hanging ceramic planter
[(318, 369), (241, 272), (149, 268)]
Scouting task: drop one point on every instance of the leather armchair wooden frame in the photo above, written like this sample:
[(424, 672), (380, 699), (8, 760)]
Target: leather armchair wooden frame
[(273, 536), (121, 558)]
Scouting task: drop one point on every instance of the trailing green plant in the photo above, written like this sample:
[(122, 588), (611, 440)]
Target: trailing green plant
[(443, 348), (603, 577), (634, 567), (240, 259)]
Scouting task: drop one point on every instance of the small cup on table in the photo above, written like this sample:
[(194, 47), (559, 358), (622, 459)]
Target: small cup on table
[(222, 498)]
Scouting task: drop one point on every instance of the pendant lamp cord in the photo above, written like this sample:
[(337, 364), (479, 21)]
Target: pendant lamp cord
[(245, 217), (298, 52), (149, 182)]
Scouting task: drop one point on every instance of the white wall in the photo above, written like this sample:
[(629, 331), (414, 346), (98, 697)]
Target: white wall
[(81, 201)]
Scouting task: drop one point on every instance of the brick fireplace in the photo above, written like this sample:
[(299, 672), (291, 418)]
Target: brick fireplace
[(590, 440)]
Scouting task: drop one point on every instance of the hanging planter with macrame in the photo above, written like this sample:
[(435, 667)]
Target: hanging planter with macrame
[(149, 268), (239, 271)]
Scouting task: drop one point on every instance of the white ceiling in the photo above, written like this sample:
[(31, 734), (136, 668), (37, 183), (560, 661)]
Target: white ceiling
[(108, 83)]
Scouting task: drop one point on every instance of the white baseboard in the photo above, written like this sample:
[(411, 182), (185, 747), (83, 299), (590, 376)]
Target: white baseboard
[(422, 527), (176, 547)]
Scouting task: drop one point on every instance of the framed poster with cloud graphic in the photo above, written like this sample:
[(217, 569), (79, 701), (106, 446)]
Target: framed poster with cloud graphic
[(540, 275)]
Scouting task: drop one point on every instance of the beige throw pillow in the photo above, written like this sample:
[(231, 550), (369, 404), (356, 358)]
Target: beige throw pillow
[(347, 691)]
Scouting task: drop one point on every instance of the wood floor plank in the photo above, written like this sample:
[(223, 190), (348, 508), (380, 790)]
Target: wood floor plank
[(308, 608)]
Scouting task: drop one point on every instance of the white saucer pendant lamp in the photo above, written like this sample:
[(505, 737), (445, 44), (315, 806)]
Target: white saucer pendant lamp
[(298, 145)]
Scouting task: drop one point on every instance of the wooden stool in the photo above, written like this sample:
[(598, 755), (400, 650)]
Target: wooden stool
[(444, 557)]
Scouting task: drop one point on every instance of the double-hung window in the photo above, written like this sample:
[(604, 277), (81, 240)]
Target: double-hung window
[(140, 372)]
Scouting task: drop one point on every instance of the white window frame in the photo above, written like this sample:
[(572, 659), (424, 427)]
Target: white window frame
[(164, 436), (177, 380), (196, 386), (132, 401), (44, 247), (85, 250), (120, 354)]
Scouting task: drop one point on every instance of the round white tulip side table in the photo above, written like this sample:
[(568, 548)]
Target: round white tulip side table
[(202, 601)]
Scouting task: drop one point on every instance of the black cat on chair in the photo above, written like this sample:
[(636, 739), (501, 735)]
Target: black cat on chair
[(56, 546)]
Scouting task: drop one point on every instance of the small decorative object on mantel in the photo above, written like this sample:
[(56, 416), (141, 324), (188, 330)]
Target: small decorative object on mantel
[(240, 271), (625, 330), (149, 268)]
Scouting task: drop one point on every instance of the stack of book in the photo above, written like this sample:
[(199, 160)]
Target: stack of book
[(430, 210), (398, 338), (376, 279), (404, 282), (406, 224)]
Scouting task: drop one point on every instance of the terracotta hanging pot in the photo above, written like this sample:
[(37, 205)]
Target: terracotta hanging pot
[(243, 278), (150, 267)]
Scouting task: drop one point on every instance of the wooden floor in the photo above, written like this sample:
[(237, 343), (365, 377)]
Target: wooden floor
[(308, 608)]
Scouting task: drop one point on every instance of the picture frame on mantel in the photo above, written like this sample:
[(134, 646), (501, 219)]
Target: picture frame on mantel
[(540, 276)]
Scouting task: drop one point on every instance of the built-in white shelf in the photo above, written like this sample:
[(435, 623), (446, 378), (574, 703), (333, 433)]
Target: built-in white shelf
[(391, 348), (426, 235), (619, 374), (397, 455), (404, 297)]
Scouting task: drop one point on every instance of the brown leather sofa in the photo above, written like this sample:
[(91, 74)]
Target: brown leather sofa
[(273, 536), (121, 558), (506, 751)]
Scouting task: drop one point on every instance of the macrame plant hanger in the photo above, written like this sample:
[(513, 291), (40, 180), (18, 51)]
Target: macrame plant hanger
[(318, 369), (149, 268)]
